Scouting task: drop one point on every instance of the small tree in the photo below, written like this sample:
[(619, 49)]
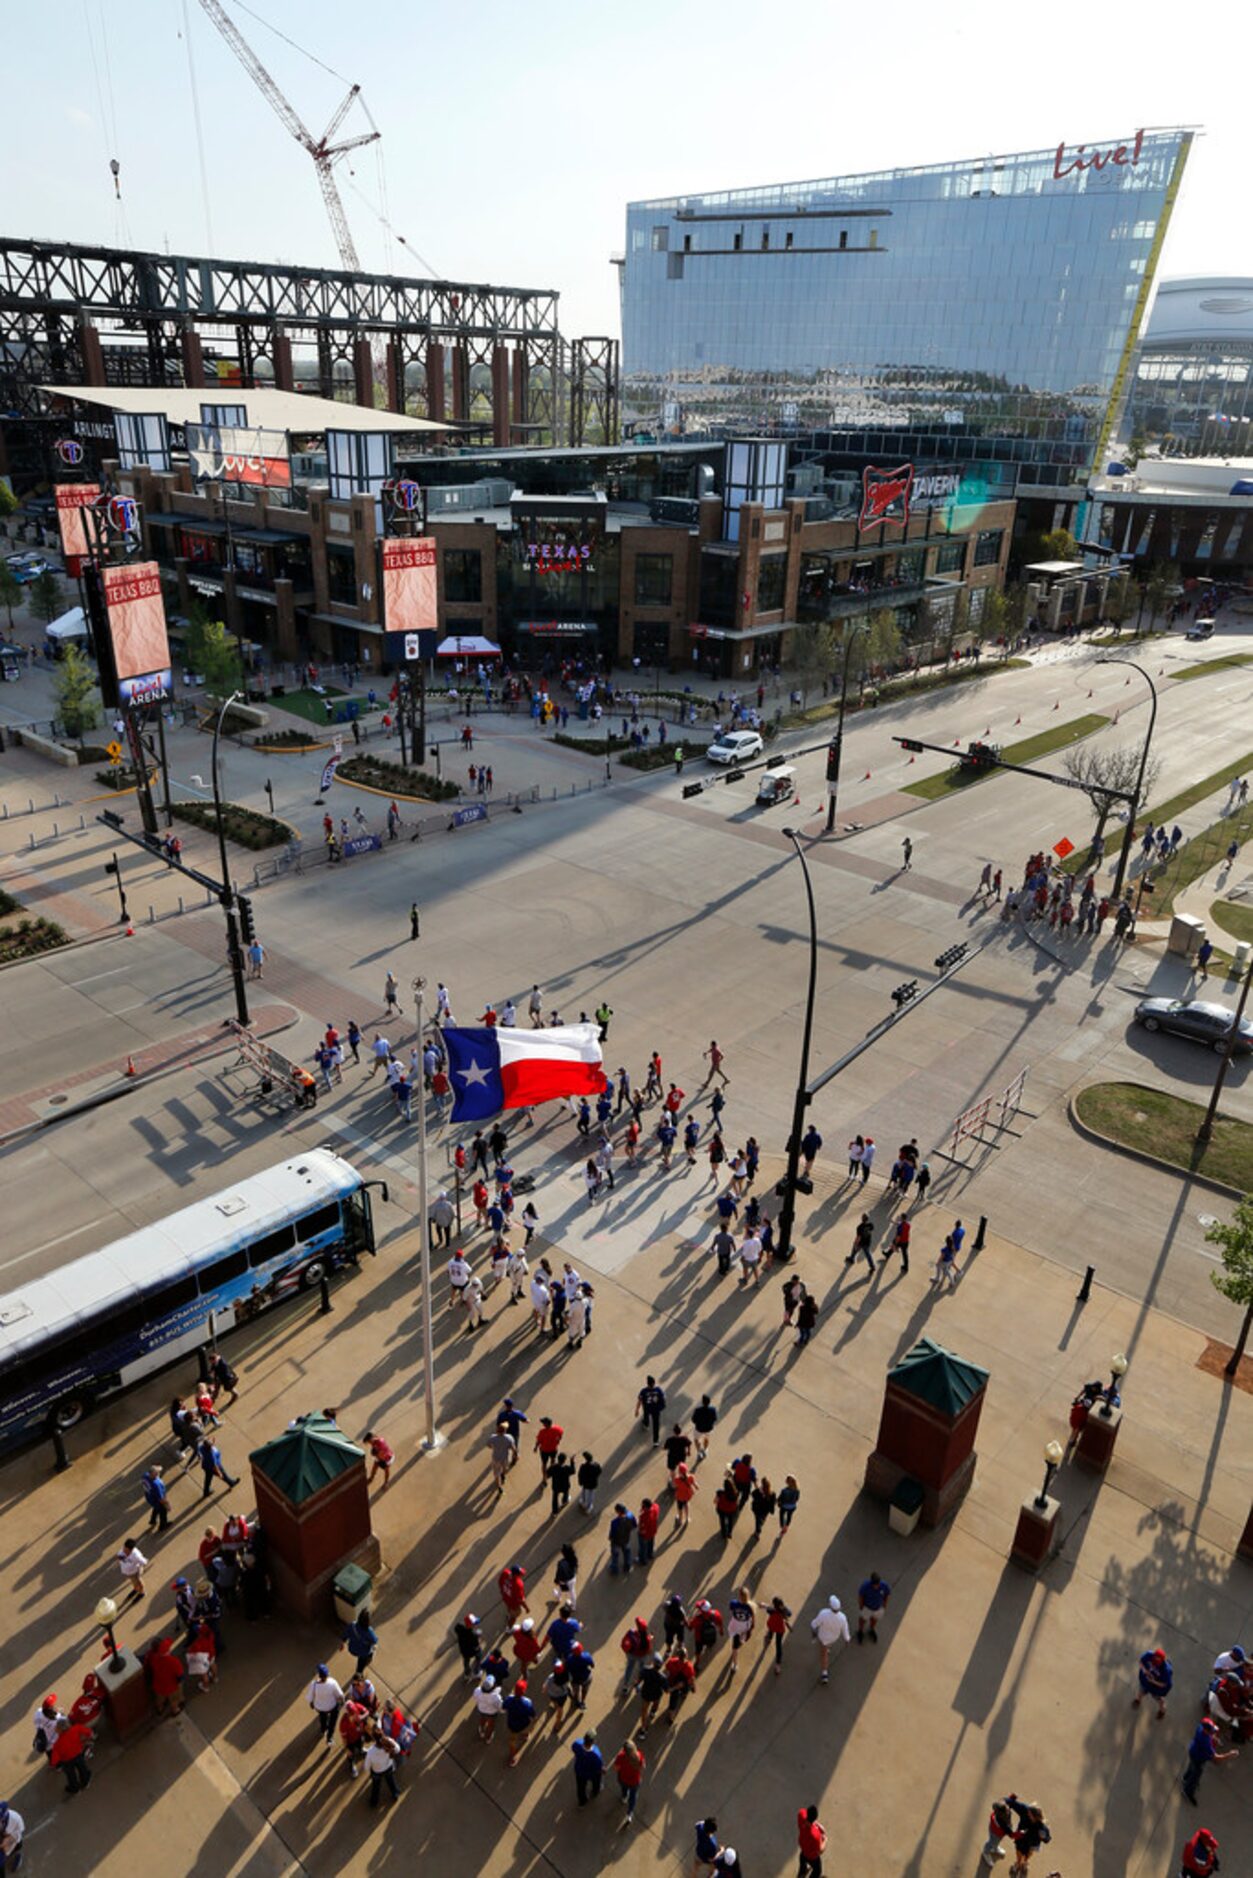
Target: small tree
[(1235, 1280), (1058, 545), (10, 589), (1157, 591), (813, 655), (1017, 608), (991, 623), (46, 599), (78, 701), (1125, 600), (214, 656), (1100, 770), (8, 501)]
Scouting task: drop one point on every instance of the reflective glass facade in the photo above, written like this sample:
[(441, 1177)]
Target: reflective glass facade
[(993, 298)]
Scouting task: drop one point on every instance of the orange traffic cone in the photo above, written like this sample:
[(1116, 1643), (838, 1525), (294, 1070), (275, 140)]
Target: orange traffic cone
[(1089, 694), (913, 759), (130, 1067), (1018, 720), (866, 777)]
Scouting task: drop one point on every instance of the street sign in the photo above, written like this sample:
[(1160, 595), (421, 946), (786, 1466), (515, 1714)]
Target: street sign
[(114, 753), (1063, 847)]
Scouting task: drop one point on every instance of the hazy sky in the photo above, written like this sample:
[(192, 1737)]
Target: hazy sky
[(513, 135)]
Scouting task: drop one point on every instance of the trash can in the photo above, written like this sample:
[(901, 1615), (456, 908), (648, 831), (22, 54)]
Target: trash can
[(1186, 934), (905, 1507), (353, 1587), (1241, 955)]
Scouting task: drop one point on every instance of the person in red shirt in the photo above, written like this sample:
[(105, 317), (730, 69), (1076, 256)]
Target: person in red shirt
[(69, 1751), (674, 1099), (209, 1548), (726, 1506), (235, 1533), (382, 1456), (1200, 1855), (680, 1678), (811, 1837), (353, 1723), (512, 1587), (628, 1764), (548, 1440), (480, 1197), (647, 1521), (165, 1672), (526, 1645), (705, 1624)]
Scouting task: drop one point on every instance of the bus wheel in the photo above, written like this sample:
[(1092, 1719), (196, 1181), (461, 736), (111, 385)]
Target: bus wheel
[(312, 1275), (68, 1412)]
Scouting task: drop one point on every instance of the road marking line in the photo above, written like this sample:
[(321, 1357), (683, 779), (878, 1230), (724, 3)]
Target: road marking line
[(59, 1240)]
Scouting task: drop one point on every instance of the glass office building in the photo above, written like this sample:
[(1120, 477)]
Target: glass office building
[(1192, 390), (977, 311)]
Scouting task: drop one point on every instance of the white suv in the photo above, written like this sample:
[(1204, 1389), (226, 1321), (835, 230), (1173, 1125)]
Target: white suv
[(735, 746)]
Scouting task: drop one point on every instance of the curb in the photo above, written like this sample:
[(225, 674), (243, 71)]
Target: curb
[(369, 789), (286, 749), (128, 1084), (1138, 1154)]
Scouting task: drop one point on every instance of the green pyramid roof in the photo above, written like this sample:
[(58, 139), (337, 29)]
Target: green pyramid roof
[(937, 1377), (307, 1457)]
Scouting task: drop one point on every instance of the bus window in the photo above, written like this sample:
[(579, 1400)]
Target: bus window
[(234, 1265), (324, 1220), (272, 1246)]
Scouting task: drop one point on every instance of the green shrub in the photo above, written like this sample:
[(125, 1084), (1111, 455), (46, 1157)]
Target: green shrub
[(247, 827), (395, 779)]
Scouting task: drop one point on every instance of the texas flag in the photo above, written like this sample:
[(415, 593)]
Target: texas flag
[(497, 1069)]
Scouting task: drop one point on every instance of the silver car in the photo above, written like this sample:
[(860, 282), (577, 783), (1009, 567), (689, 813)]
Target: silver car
[(1203, 1023), (735, 746)]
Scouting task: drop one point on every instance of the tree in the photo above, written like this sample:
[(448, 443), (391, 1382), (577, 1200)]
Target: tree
[(1235, 1280), (8, 501), (1100, 770), (1057, 545), (1126, 599), (212, 654), (1017, 608), (78, 701), (875, 645), (991, 623), (47, 602), (813, 656), (1158, 589), (10, 590)]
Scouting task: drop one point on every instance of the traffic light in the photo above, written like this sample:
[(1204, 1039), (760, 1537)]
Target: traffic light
[(981, 756), (903, 993), (833, 760), (951, 957), (909, 743), (734, 775), (693, 789), (247, 925)]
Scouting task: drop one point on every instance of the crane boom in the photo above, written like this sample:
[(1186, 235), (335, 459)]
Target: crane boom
[(322, 150)]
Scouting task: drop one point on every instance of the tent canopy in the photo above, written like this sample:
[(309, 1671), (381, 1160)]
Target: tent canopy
[(71, 625), (469, 646)]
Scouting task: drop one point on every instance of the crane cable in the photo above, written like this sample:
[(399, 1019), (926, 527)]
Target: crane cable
[(108, 115), (195, 111)]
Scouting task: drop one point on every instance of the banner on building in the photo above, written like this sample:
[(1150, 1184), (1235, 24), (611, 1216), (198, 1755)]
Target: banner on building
[(136, 620), (226, 453), (410, 596), (72, 499)]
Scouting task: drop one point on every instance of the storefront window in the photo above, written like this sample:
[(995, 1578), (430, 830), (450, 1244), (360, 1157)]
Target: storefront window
[(341, 574), (950, 557), (719, 583), (988, 546), (910, 565), (771, 582), (463, 575), (654, 575)]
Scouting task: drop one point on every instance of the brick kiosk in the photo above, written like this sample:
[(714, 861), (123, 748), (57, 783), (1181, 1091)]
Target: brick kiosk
[(314, 1509), (931, 1409)]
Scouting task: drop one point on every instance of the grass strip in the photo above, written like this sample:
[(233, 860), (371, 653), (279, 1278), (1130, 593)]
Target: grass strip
[(1214, 665), (1172, 809), (1060, 737), (1236, 920), (1165, 1126)]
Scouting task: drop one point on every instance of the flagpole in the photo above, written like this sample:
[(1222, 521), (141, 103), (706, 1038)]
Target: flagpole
[(432, 1440)]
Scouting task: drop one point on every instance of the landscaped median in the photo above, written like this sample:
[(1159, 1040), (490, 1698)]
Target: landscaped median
[(1156, 1126), (1059, 737), (248, 827), (24, 938), (394, 779), (1206, 666)]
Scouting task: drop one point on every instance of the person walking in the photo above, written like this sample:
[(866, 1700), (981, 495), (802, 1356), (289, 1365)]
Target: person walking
[(519, 1713), (811, 1840), (468, 1636), (811, 1146), (325, 1698), (637, 1647), (863, 1239), (580, 1664), (621, 1535), (704, 1421), (715, 1059), (778, 1623), (560, 1475), (12, 1833), (726, 1506), (589, 1767), (132, 1564), (489, 1700), (391, 1000), (907, 852), (1199, 1858), (1202, 1749), (789, 1500), (708, 1846), (763, 1503), (381, 1455), (922, 1180), (1156, 1676), (157, 1497), (829, 1627), (69, 1753), (415, 923), (165, 1673), (872, 1601), (1031, 1831), (589, 1479), (649, 1404), (647, 1521), (946, 1267), (381, 1755), (503, 1452), (566, 1576), (900, 1242), (212, 1465), (628, 1764), (360, 1639), (224, 1378)]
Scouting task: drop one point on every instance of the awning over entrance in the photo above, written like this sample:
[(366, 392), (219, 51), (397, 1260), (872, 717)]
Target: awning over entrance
[(467, 646)]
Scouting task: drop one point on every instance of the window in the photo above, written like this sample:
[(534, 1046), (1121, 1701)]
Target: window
[(978, 600), (950, 558), (272, 1246), (719, 588), (234, 1265), (737, 242), (687, 244), (910, 564), (463, 575), (771, 582), (661, 240), (988, 546), (341, 574), (674, 267), (787, 239), (654, 579), (844, 237), (312, 1224)]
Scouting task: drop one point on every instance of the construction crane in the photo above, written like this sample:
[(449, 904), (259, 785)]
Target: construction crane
[(325, 154)]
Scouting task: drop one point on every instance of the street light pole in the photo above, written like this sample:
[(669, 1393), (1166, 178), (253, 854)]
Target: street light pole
[(1135, 805), (227, 895), (837, 746), (431, 1440), (1206, 1129), (787, 1213)]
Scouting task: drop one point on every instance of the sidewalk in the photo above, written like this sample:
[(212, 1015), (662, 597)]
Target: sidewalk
[(985, 1680)]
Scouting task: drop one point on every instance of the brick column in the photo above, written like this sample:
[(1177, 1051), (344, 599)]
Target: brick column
[(193, 358), (435, 382), (363, 372), (521, 394), (460, 384), (500, 395), (395, 378), (284, 377), (93, 355)]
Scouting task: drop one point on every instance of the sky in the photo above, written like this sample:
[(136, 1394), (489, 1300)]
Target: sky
[(513, 136)]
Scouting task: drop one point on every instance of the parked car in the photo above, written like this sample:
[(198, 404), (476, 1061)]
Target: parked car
[(1202, 1022), (735, 746), (27, 567)]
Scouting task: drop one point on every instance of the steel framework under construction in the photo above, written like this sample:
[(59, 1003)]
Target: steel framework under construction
[(472, 354)]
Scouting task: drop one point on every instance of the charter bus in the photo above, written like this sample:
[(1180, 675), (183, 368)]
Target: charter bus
[(71, 1339)]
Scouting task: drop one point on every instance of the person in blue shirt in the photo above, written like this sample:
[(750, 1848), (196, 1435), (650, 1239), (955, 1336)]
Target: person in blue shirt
[(361, 1641), (621, 1532), (707, 1844), (157, 1496), (511, 1417), (519, 1713), (1156, 1676), (691, 1136), (1202, 1749), (666, 1136), (589, 1767), (872, 1600), (958, 1235), (580, 1663), (562, 1632)]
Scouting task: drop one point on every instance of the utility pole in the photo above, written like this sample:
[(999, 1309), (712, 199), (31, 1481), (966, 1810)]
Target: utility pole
[(432, 1439), (1206, 1129)]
